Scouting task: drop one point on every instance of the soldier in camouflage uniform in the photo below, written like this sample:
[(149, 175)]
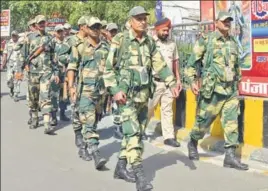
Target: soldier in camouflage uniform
[(43, 70), (61, 51), (88, 61), (67, 29), (218, 54), (128, 74), (76, 40), (12, 58)]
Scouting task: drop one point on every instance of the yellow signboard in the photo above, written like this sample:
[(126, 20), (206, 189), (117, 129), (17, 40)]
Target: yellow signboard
[(260, 45)]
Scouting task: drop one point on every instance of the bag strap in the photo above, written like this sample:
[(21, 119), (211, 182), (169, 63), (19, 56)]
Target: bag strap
[(209, 47)]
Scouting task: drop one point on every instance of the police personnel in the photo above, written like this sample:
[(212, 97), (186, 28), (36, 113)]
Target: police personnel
[(219, 57), (128, 72), (162, 94)]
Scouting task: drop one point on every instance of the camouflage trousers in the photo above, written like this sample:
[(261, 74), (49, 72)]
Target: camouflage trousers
[(12, 82), (86, 112), (134, 119), (228, 109), (39, 87), (57, 95)]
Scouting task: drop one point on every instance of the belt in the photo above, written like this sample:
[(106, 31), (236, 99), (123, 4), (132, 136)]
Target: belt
[(225, 84), (158, 79)]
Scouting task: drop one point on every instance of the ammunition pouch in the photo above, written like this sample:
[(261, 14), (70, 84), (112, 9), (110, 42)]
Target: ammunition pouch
[(208, 84)]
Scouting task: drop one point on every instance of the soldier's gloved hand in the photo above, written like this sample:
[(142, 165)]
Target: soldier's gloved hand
[(195, 88), (72, 92), (120, 98)]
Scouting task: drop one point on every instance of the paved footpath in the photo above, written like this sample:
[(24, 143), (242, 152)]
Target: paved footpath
[(31, 160)]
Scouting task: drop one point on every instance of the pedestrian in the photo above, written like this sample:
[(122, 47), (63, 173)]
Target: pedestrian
[(87, 61), (128, 76), (42, 71), (12, 58), (220, 75), (163, 95)]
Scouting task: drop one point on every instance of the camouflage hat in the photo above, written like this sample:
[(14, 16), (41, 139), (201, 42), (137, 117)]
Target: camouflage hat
[(222, 16), (104, 23), (59, 27), (83, 20), (67, 26), (111, 26), (14, 33), (40, 18), (31, 22), (93, 20), (138, 10)]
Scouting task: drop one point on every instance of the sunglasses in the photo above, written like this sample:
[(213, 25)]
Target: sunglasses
[(95, 27)]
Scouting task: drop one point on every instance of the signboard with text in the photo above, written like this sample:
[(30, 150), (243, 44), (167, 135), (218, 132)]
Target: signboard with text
[(5, 23)]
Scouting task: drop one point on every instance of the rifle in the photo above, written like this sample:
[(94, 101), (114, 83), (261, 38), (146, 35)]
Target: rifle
[(35, 54)]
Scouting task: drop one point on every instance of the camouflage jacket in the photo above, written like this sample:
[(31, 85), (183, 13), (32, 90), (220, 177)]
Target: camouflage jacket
[(13, 55), (136, 55), (46, 61), (62, 51), (89, 63), (225, 54)]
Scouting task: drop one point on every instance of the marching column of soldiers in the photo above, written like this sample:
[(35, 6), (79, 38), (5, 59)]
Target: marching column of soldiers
[(98, 66)]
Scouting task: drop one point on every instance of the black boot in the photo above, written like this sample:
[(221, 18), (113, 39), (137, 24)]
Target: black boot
[(121, 171), (231, 161), (172, 142), (192, 149), (99, 161), (48, 129), (63, 117), (83, 153), (11, 93), (78, 138), (16, 98), (30, 119), (118, 132), (54, 120), (141, 183), (144, 137), (34, 123)]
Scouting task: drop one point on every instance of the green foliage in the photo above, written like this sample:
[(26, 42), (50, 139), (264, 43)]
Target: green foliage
[(112, 11)]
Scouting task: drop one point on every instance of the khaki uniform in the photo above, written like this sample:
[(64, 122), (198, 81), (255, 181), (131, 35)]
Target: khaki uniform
[(162, 94)]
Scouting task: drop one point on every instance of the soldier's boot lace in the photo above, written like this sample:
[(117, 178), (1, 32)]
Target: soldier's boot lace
[(48, 129), (34, 123), (141, 183), (54, 120), (63, 117), (78, 138), (99, 161), (121, 171), (192, 149), (118, 132), (230, 160), (83, 152)]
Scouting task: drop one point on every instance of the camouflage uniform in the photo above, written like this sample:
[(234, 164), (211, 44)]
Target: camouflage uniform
[(14, 65), (136, 58), (62, 50), (220, 75), (42, 69), (88, 62)]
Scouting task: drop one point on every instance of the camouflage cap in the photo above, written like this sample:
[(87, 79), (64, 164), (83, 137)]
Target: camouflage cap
[(15, 33), (59, 27), (222, 16), (40, 18), (138, 10), (83, 20), (93, 20), (111, 26), (67, 26), (31, 22), (104, 23)]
